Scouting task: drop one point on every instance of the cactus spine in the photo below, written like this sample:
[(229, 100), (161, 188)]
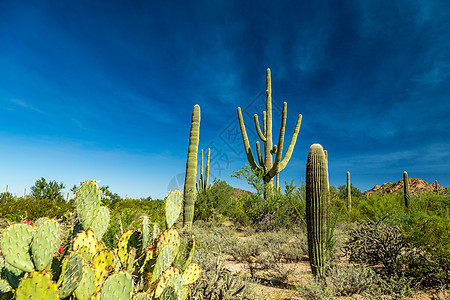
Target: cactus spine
[(266, 165), (316, 208), (203, 183), (406, 194), (191, 169), (349, 193)]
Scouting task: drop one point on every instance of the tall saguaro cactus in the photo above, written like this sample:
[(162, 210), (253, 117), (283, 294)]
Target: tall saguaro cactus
[(406, 194), (316, 208), (349, 193), (267, 166), (203, 183), (191, 169)]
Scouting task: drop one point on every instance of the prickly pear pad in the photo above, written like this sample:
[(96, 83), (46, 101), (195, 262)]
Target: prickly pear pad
[(189, 253), (191, 274), (71, 275), (45, 243), (118, 286), (86, 243), (164, 261), (146, 240), (101, 222), (37, 286), (86, 287), (162, 284), (15, 244), (173, 204), (87, 201), (14, 275), (169, 237), (102, 264), (130, 239), (4, 286), (141, 296)]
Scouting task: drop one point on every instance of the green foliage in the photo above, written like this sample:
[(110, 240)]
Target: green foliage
[(216, 200), (342, 191), (33, 209), (50, 190), (430, 237)]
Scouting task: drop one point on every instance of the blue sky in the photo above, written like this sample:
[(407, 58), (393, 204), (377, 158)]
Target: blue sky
[(105, 89)]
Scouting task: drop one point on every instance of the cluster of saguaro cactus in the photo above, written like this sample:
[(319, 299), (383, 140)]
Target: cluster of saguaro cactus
[(203, 182), (316, 182), (190, 180), (143, 266), (406, 194), (267, 166)]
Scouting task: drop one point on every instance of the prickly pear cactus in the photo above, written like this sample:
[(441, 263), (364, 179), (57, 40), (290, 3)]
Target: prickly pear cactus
[(71, 276), (15, 245), (191, 274), (37, 286), (87, 201), (4, 286), (101, 222), (87, 286), (45, 243), (173, 204), (119, 286), (102, 264), (87, 244), (130, 239)]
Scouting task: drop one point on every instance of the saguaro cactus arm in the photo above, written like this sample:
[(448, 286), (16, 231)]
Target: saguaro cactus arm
[(248, 149), (258, 128), (280, 165)]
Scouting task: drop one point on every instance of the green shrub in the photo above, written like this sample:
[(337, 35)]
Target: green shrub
[(350, 279), (33, 209), (429, 236)]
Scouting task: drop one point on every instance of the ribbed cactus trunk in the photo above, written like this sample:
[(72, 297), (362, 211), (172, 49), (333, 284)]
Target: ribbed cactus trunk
[(316, 209), (190, 181), (203, 182), (349, 193), (406, 194), (436, 187)]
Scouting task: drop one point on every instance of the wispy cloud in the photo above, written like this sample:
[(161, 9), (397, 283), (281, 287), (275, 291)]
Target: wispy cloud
[(23, 104)]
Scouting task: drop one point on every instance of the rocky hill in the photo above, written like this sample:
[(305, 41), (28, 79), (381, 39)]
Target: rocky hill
[(416, 186)]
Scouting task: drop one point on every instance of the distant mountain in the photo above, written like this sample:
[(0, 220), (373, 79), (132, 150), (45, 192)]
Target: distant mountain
[(416, 186)]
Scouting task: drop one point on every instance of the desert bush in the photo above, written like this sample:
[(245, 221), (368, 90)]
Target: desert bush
[(19, 209), (216, 282), (375, 243), (352, 279), (218, 199), (429, 237), (315, 290)]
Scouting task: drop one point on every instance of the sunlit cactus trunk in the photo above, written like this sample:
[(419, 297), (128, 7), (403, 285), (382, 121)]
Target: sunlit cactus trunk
[(349, 193), (267, 165), (190, 181), (316, 209), (203, 183), (406, 194)]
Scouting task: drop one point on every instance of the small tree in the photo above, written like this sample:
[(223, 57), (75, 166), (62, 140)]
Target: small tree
[(50, 190)]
